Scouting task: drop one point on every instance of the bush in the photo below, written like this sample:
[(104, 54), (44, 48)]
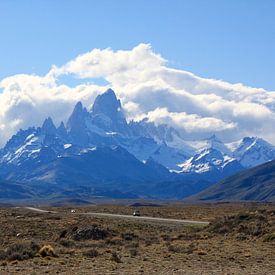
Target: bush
[(93, 232), (133, 252), (47, 250), (270, 237), (67, 243), (132, 245), (63, 234), (129, 236), (115, 257), (19, 251), (91, 253), (115, 241), (243, 224), (181, 249)]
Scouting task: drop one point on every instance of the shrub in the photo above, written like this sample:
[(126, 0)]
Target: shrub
[(67, 243), (19, 251), (93, 232), (133, 252), (115, 257), (132, 245), (115, 241), (129, 236), (181, 249), (63, 234), (91, 253), (249, 224), (47, 250), (270, 237), (176, 248)]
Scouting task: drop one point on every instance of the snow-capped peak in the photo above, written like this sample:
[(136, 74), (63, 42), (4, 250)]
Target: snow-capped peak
[(105, 125), (107, 113), (253, 151), (214, 143), (210, 160), (108, 104)]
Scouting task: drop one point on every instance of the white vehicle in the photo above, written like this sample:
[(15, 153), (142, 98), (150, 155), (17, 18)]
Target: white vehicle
[(136, 213), (72, 211)]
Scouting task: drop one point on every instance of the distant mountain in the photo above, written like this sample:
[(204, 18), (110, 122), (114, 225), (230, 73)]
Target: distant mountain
[(96, 167), (14, 191), (103, 125), (253, 151), (98, 152), (162, 134), (255, 184), (214, 143), (96, 149), (214, 162), (107, 113)]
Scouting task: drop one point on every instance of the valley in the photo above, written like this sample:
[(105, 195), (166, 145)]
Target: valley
[(238, 240)]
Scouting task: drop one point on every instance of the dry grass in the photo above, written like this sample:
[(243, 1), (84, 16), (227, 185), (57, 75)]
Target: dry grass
[(19, 251), (239, 240)]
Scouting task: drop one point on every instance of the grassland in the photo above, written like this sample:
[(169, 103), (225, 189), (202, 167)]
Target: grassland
[(239, 240)]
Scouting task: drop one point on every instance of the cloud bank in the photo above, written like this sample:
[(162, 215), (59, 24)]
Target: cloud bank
[(196, 106)]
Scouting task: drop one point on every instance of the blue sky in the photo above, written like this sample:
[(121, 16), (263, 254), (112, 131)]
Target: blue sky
[(232, 40)]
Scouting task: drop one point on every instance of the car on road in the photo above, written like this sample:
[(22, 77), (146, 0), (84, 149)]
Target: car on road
[(136, 213)]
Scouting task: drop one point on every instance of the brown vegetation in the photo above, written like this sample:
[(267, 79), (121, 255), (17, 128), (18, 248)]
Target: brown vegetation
[(239, 240)]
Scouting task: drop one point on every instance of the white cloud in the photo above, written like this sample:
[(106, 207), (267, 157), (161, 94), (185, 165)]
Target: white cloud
[(190, 123), (147, 86), (27, 100)]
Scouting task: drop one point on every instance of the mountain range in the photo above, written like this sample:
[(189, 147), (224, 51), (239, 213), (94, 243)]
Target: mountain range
[(254, 184), (99, 153)]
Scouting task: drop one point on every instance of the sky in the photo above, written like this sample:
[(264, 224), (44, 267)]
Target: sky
[(230, 40), (185, 55)]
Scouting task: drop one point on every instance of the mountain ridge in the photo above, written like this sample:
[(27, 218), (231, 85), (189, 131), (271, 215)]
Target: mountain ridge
[(157, 150), (254, 184)]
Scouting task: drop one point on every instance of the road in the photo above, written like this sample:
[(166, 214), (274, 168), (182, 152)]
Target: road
[(38, 210), (130, 217), (164, 220)]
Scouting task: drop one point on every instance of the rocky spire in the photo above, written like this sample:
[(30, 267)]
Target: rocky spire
[(76, 125), (77, 117), (107, 111), (48, 126), (61, 130), (108, 104)]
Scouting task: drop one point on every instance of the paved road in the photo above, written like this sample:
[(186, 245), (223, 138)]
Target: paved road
[(39, 210), (140, 218), (164, 220)]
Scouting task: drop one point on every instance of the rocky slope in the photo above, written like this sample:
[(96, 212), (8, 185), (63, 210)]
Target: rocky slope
[(99, 149)]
